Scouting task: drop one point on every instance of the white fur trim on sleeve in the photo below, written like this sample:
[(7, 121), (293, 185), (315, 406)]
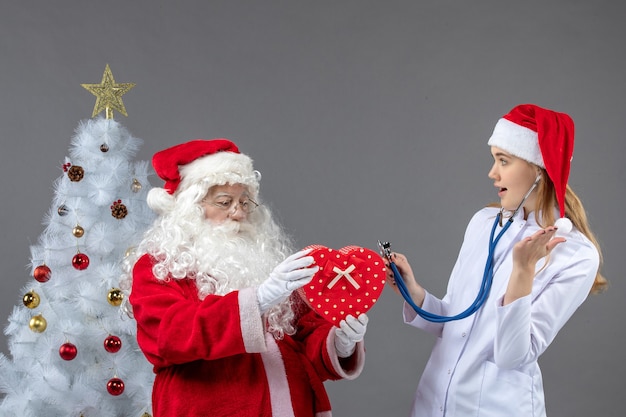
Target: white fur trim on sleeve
[(359, 362)]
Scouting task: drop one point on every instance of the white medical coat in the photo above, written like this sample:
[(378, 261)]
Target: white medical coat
[(486, 365)]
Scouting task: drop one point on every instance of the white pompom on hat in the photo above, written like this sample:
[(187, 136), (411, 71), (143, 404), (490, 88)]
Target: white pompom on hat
[(213, 162), (543, 137)]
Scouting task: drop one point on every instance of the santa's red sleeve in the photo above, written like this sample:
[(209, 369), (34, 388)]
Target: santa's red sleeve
[(175, 327), (318, 337)]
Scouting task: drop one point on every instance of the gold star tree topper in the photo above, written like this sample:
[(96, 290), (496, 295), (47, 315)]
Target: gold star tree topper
[(108, 94)]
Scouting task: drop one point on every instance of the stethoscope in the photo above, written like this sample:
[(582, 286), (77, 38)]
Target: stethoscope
[(485, 286)]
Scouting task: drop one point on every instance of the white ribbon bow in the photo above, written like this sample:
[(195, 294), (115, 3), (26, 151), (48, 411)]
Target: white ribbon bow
[(344, 273)]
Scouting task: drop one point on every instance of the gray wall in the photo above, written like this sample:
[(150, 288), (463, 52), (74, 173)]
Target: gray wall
[(368, 119)]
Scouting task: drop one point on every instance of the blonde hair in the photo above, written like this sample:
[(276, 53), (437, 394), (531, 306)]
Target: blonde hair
[(574, 210)]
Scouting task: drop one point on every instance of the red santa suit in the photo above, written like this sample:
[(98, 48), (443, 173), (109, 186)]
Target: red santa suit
[(213, 357)]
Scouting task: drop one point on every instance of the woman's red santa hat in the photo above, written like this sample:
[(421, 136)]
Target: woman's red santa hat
[(543, 137), (212, 162)]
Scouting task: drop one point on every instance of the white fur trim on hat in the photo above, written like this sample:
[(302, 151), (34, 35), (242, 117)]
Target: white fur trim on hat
[(517, 140), (220, 168), (160, 200)]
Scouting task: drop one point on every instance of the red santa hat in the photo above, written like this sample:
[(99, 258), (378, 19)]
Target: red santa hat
[(214, 162), (543, 137)]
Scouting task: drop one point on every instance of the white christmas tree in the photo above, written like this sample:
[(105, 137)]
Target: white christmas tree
[(74, 352)]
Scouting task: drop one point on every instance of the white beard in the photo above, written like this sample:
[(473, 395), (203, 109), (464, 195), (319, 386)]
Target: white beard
[(221, 258), (234, 255), (231, 256)]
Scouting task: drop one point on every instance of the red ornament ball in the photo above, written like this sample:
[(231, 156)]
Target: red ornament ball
[(115, 386), (112, 344), (80, 261), (68, 351), (42, 273)]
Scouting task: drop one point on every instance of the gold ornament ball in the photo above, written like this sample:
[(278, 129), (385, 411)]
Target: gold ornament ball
[(31, 299), (115, 297), (129, 251), (136, 186), (38, 324), (78, 231)]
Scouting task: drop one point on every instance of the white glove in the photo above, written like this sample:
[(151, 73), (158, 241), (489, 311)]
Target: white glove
[(350, 332), (289, 275)]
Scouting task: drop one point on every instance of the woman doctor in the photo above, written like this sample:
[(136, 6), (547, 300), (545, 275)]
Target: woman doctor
[(485, 365)]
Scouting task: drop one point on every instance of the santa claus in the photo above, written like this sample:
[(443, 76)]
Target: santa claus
[(211, 291)]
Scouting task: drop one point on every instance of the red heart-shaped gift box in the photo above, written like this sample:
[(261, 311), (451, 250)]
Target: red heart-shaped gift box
[(349, 281)]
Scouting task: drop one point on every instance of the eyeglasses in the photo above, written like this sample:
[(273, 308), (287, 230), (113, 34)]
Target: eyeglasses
[(230, 205)]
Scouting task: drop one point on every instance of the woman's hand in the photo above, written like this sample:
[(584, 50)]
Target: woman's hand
[(402, 264), (526, 253)]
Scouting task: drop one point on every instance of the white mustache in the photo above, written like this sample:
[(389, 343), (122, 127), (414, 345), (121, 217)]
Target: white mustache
[(234, 227)]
